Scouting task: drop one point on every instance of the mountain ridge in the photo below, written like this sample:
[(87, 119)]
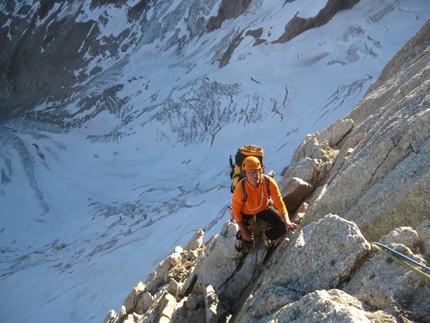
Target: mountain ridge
[(329, 270), (93, 168)]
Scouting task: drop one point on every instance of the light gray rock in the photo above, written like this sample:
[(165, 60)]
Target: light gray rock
[(336, 132), (320, 256), (168, 304), (194, 301), (196, 240), (214, 309), (174, 287), (304, 169), (218, 263), (403, 235), (132, 299), (295, 192), (183, 314), (424, 237), (111, 317), (133, 318), (384, 283), (314, 158), (309, 148), (404, 190), (222, 267), (144, 303), (332, 306), (153, 285)]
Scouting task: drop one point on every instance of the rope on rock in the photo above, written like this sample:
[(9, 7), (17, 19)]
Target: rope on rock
[(402, 259)]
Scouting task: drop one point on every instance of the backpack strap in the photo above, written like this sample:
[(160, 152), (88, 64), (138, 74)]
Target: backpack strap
[(245, 194), (267, 183)]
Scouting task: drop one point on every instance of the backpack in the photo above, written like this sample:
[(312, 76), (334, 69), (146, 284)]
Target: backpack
[(236, 168)]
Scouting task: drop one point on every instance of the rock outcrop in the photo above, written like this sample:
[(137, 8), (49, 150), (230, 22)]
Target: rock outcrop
[(365, 179), (380, 178)]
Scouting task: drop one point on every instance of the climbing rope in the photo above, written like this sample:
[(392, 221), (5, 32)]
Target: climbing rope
[(402, 259)]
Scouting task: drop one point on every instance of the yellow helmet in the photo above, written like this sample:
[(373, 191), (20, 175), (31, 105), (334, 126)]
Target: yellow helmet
[(251, 163)]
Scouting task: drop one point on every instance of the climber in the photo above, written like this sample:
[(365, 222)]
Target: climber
[(252, 196)]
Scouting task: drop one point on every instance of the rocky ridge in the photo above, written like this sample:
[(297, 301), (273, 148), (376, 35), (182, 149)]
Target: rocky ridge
[(363, 179)]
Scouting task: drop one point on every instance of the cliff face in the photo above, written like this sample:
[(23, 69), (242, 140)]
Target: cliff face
[(380, 179), (370, 175)]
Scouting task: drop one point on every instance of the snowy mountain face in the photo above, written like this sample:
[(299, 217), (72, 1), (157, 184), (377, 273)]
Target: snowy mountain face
[(118, 117)]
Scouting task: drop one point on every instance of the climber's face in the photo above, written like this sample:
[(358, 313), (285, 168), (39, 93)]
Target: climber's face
[(254, 176)]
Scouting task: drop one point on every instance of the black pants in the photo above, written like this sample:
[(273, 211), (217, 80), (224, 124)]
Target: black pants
[(271, 216)]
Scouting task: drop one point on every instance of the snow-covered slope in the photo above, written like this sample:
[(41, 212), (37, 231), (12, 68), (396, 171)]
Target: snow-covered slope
[(104, 174)]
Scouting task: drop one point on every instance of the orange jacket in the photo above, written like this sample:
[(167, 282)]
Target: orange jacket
[(258, 198)]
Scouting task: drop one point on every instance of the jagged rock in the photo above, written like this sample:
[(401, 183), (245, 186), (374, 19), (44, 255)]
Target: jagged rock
[(158, 298), (328, 306), (194, 301), (153, 285), (219, 265), (133, 318), (424, 237), (161, 308), (149, 317), (123, 313), (326, 251), (228, 230), (331, 136), (144, 303), (295, 192), (196, 240), (174, 259), (214, 309), (132, 299), (336, 132), (314, 158), (174, 287), (384, 283), (309, 148), (383, 184), (300, 213), (304, 169), (403, 235), (191, 255), (219, 261), (168, 304), (222, 267), (112, 317), (320, 256), (183, 314), (160, 276), (188, 285)]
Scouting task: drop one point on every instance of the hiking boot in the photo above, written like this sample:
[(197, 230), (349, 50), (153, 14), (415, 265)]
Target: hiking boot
[(267, 242)]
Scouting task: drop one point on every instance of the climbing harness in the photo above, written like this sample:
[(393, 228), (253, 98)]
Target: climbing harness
[(402, 259)]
